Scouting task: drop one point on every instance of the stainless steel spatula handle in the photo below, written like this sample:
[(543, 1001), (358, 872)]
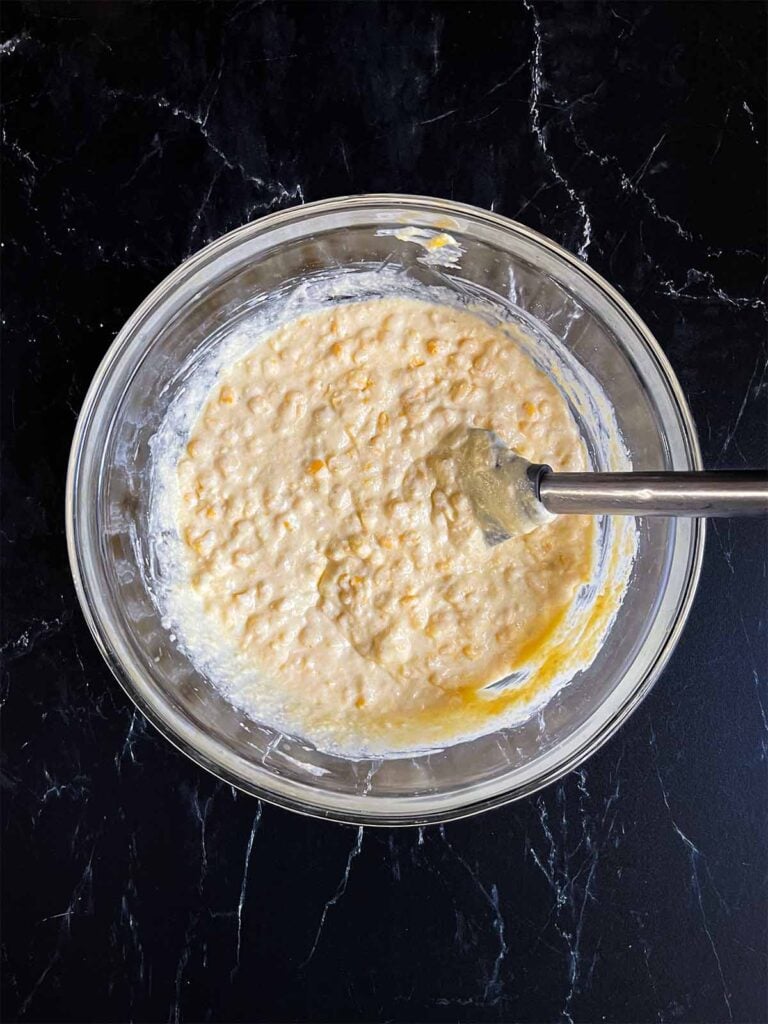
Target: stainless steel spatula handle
[(654, 494)]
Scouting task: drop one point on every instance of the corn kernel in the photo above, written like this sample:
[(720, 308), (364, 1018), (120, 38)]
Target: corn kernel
[(258, 404), (315, 466)]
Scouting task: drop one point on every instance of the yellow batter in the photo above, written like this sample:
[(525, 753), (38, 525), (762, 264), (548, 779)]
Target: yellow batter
[(328, 538)]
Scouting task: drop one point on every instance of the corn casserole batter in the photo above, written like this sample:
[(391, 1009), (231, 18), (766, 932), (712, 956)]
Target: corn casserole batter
[(328, 541)]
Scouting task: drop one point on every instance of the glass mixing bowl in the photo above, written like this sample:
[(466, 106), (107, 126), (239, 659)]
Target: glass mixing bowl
[(108, 485)]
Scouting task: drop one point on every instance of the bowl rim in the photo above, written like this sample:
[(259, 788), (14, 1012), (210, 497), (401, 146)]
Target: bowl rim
[(171, 730)]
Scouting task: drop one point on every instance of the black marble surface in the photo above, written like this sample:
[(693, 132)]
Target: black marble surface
[(136, 886)]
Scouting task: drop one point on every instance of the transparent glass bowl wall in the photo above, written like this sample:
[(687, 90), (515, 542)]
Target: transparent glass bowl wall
[(108, 492)]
